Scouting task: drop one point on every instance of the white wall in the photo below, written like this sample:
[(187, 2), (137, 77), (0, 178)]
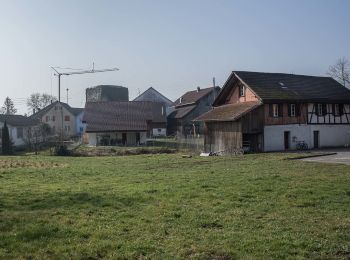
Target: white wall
[(162, 132), (330, 136), (13, 134)]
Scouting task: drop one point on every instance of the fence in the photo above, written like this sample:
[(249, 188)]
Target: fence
[(189, 144)]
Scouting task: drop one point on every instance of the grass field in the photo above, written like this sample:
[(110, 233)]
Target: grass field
[(166, 206)]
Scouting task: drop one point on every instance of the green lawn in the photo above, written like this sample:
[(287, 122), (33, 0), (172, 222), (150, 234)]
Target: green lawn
[(166, 206)]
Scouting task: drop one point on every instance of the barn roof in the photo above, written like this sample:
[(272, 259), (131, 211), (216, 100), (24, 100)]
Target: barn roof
[(229, 112), (181, 111), (122, 116), (289, 87)]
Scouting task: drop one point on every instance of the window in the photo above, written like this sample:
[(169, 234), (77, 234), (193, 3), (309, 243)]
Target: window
[(321, 109), (81, 129), (47, 119), (159, 130), (19, 132), (275, 110), (292, 109), (53, 118), (241, 90), (336, 111), (66, 118)]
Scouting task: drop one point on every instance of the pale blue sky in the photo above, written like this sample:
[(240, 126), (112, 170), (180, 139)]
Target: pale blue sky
[(173, 46)]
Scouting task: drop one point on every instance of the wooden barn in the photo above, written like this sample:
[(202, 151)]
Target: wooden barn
[(274, 111)]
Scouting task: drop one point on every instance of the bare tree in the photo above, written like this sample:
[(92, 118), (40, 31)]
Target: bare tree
[(38, 101), (8, 108), (340, 71)]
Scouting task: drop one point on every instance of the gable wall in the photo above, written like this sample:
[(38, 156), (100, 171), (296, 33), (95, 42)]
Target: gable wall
[(57, 124), (233, 96)]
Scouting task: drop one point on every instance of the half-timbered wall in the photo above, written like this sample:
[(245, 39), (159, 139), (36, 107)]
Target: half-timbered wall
[(223, 136), (328, 116)]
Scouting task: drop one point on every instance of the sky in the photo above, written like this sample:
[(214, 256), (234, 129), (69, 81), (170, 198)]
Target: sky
[(173, 46)]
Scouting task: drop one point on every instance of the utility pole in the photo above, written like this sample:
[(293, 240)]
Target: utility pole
[(59, 74)]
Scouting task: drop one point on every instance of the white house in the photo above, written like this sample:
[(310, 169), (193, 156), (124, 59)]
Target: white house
[(19, 126)]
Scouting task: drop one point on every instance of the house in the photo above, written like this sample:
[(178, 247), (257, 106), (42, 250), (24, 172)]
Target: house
[(107, 93), (276, 111), (19, 128), (153, 95), (188, 107), (60, 116), (123, 123)]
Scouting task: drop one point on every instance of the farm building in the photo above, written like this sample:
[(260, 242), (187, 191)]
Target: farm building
[(123, 123), (188, 107), (276, 111), (153, 95)]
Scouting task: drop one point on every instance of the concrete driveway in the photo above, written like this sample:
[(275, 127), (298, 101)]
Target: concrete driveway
[(342, 156)]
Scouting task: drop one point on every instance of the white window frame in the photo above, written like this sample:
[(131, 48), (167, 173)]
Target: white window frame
[(242, 90), (275, 110), (292, 110)]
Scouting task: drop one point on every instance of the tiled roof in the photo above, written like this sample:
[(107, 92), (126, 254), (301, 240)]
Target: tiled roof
[(280, 86), (229, 112), (192, 97), (181, 111), (18, 120), (74, 110), (122, 116)]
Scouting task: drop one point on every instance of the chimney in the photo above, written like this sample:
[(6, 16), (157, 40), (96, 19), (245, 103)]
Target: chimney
[(180, 101), (198, 89), (214, 85)]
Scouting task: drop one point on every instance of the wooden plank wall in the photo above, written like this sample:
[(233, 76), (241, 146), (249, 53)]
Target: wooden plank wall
[(223, 136)]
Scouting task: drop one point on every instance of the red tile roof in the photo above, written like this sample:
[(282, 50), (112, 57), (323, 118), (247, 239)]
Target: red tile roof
[(229, 112)]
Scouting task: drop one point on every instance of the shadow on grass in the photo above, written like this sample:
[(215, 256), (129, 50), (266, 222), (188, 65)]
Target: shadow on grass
[(74, 200)]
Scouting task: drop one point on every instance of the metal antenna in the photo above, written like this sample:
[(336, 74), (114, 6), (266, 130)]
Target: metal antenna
[(67, 94)]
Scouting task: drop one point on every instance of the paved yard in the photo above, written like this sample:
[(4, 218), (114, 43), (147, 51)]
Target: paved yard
[(342, 156)]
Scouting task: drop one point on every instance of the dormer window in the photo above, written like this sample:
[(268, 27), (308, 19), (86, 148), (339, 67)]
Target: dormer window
[(241, 90)]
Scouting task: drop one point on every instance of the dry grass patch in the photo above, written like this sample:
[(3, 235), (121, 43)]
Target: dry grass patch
[(23, 163)]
